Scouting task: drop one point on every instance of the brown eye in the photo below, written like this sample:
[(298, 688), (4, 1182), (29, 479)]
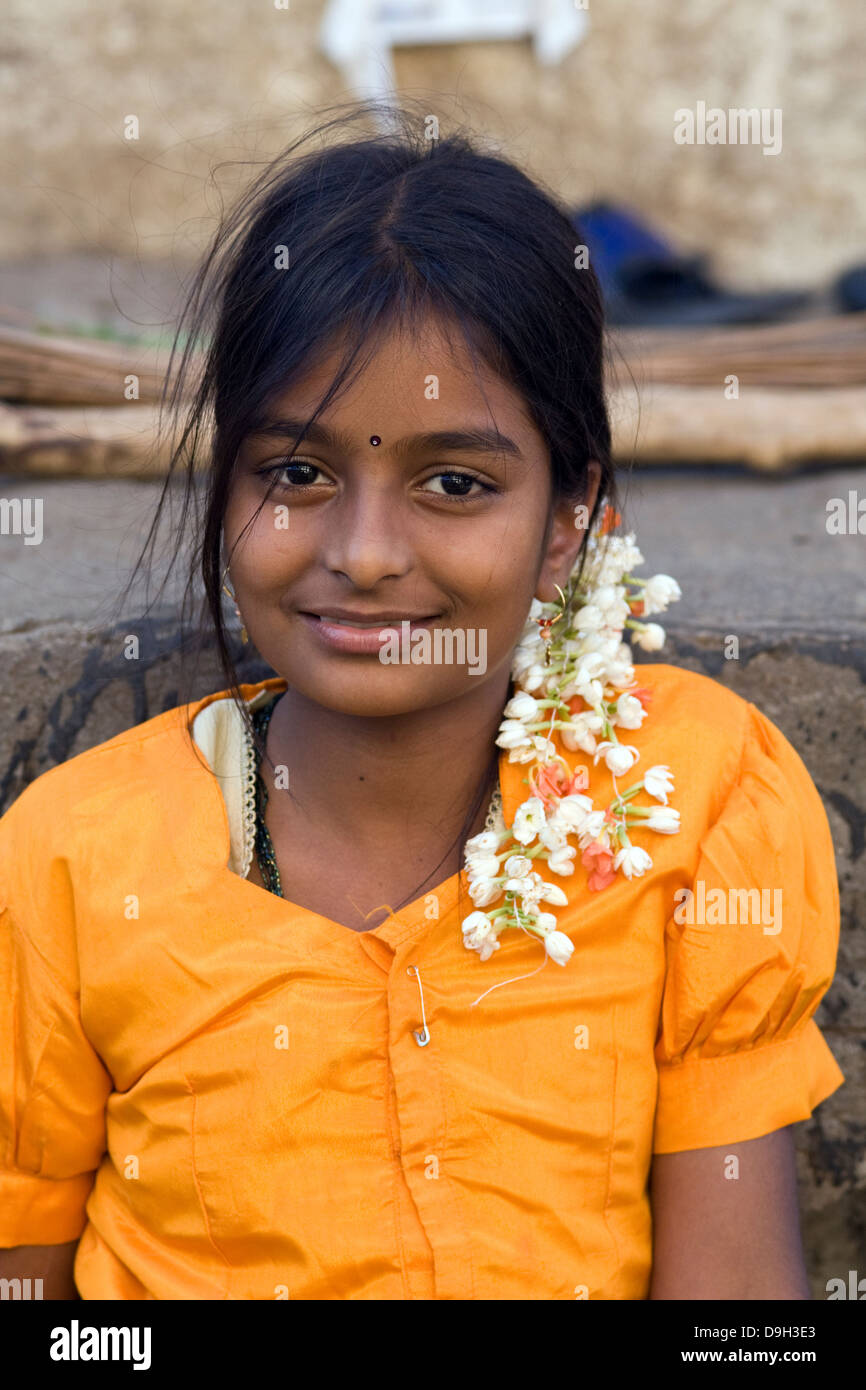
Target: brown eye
[(295, 473), (455, 484)]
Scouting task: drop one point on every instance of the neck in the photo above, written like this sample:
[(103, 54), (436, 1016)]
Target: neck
[(406, 778)]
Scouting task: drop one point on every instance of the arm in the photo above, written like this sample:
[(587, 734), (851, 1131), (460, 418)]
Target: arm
[(51, 1263), (719, 1237)]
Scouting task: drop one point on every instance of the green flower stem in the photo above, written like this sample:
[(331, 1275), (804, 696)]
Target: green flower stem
[(527, 926), (548, 724), (624, 797)]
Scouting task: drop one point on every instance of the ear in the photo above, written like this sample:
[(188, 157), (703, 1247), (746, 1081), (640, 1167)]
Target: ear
[(567, 533)]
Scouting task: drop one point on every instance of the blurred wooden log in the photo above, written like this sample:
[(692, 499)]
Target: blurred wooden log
[(826, 352), (766, 428), (41, 367), (820, 353), (82, 442)]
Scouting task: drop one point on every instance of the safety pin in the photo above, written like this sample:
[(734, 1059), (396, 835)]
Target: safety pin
[(421, 1035)]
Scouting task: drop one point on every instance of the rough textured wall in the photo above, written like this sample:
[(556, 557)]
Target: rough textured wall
[(228, 80)]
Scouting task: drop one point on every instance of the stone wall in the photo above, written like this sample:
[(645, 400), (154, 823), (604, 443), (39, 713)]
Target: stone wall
[(224, 82)]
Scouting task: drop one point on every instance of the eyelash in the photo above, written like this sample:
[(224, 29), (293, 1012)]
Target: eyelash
[(445, 473)]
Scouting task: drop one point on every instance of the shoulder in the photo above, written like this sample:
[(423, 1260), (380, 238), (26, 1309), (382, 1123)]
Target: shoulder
[(697, 727), (687, 700), (716, 734), (129, 771), (155, 744), (732, 768)]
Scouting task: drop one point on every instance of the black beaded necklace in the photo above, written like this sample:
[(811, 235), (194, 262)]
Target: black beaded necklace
[(265, 856)]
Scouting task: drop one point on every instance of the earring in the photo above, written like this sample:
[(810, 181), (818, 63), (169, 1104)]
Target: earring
[(545, 624), (245, 637)]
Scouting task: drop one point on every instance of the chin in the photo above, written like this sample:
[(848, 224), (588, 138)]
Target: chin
[(367, 689)]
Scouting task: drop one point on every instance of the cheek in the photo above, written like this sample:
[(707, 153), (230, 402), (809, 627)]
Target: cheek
[(493, 586), (498, 566), (266, 551)]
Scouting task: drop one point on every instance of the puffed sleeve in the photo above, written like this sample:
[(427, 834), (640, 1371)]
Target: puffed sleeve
[(53, 1086), (738, 1051)]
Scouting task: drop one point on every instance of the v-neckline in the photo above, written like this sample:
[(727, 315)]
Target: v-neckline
[(408, 920), (404, 922)]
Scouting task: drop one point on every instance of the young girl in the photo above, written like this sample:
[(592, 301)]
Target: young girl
[(453, 960)]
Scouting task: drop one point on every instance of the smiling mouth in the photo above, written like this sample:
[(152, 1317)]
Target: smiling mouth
[(369, 626)]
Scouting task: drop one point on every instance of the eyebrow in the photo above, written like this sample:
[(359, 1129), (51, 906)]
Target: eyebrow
[(472, 441)]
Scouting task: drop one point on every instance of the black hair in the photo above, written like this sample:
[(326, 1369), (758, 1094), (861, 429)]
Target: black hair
[(340, 242)]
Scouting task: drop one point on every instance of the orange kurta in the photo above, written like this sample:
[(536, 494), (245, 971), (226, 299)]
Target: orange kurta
[(221, 1092)]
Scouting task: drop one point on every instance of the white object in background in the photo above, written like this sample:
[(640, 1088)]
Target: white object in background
[(358, 35)]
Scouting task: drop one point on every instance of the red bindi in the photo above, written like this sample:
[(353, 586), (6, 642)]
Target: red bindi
[(374, 439)]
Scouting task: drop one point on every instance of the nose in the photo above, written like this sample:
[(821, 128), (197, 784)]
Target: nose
[(368, 537)]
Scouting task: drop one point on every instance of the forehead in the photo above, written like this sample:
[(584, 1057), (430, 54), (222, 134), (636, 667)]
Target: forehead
[(424, 370)]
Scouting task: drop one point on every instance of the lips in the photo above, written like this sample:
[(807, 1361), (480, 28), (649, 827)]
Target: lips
[(344, 622), (348, 618), (363, 636)]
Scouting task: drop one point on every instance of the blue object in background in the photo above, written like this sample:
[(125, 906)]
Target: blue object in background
[(615, 237), (644, 281)]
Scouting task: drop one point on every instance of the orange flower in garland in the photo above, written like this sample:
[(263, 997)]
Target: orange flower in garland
[(551, 783), (597, 859)]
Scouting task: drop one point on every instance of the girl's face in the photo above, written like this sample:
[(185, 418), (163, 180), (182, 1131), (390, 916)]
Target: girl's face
[(441, 524)]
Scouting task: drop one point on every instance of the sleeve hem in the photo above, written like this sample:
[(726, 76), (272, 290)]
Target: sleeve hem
[(42, 1211), (743, 1095)]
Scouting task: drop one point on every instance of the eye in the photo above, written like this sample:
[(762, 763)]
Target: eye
[(457, 485), (296, 473)]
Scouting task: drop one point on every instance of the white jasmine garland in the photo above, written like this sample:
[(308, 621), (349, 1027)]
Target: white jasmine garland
[(619, 757), (592, 828), (522, 706), (658, 592), (658, 782), (651, 637), (484, 891), (587, 663), (512, 734), (482, 865), (630, 712), (552, 836), (559, 861), (633, 861), (528, 820), (479, 934), (664, 819), (490, 840), (558, 946), (573, 810)]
